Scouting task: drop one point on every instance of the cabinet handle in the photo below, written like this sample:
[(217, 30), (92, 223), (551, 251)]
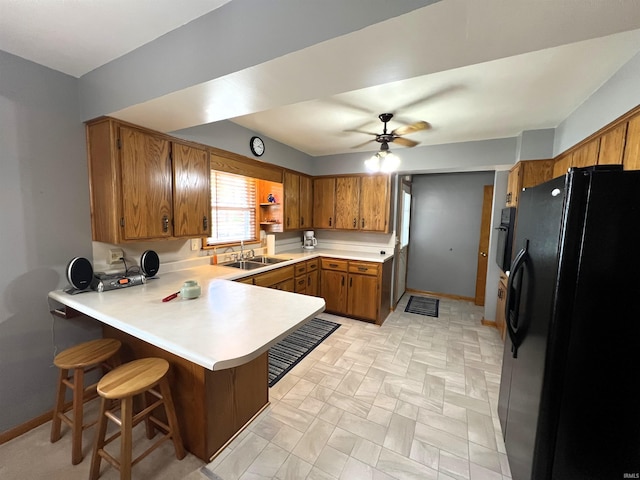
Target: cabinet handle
[(343, 280), (309, 280), (205, 223), (287, 221), (333, 265), (363, 223), (302, 221), (363, 269), (355, 222), (350, 282), (165, 223), (329, 221)]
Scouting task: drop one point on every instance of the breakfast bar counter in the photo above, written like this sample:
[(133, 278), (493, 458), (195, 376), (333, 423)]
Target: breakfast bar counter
[(217, 344)]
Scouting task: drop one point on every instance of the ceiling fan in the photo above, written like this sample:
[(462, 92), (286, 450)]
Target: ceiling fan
[(396, 135)]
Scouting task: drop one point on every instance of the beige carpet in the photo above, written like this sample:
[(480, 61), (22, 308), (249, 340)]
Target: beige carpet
[(32, 456)]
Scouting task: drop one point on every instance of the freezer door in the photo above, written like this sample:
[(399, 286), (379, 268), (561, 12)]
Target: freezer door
[(530, 300)]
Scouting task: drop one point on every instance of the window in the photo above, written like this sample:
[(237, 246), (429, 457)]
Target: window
[(233, 208)]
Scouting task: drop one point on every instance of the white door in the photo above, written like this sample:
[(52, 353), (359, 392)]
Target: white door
[(402, 239)]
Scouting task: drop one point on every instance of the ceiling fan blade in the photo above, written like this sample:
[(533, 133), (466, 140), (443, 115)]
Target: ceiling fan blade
[(365, 143), (415, 127), (405, 141), (359, 131)]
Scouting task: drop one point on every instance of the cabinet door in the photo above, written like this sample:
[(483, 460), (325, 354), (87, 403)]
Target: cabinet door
[(362, 296), (324, 190), (612, 146), (347, 203), (312, 283), (146, 185), (306, 202), (514, 185), (334, 291), (291, 201), (374, 203), (632, 145), (587, 155), (191, 192), (561, 165)]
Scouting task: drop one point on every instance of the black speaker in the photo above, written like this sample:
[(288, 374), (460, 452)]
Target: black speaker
[(79, 275), (149, 263)]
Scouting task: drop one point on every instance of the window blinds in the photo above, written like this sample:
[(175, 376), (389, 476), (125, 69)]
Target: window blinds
[(233, 208)]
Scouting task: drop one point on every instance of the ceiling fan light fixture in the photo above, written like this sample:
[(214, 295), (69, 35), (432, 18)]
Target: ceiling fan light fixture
[(383, 161)]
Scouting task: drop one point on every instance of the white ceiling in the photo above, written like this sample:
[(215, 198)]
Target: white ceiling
[(473, 69)]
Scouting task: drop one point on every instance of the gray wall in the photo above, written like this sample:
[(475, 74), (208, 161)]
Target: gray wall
[(617, 96), (45, 222), (445, 230)]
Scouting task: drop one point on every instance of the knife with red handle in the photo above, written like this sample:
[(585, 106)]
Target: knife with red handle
[(170, 297)]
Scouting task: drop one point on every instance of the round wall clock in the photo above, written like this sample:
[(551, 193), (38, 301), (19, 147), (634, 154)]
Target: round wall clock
[(257, 146)]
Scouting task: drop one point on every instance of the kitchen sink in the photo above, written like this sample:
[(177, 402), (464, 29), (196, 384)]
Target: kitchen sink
[(267, 260), (244, 265), (254, 262)]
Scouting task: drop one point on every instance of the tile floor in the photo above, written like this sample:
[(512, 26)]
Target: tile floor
[(413, 399)]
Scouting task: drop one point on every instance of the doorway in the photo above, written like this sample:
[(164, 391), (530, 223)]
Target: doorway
[(401, 253)]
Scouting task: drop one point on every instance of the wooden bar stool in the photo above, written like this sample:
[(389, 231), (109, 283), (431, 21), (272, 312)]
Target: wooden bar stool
[(123, 383), (82, 358)]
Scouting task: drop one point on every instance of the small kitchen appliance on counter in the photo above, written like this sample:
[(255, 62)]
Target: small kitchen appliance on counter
[(309, 240)]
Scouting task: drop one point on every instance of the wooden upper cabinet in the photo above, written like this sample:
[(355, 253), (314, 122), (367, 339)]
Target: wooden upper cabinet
[(374, 203), (631, 160), (291, 201), (306, 202), (324, 191), (527, 174), (146, 185), (191, 191), (514, 185), (347, 200), (561, 165), (612, 146), (586, 155), (138, 191)]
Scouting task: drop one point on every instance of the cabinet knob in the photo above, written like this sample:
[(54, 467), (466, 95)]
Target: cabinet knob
[(329, 221), (483, 254), (165, 223), (205, 223)]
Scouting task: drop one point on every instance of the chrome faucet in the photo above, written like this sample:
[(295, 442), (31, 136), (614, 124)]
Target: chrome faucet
[(241, 249)]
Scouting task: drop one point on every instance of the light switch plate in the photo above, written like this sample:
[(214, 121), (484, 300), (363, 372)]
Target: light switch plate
[(195, 244)]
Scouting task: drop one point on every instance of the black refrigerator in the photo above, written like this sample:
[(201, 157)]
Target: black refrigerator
[(569, 402)]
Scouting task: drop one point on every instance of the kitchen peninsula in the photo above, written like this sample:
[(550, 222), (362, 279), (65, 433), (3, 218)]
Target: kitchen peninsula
[(217, 344)]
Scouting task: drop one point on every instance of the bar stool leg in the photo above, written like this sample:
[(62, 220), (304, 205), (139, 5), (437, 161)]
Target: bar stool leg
[(126, 445), (101, 432), (78, 402), (61, 390), (172, 419)]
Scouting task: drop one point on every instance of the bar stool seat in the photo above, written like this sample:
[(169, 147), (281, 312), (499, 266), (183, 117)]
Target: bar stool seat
[(138, 377), (82, 358)]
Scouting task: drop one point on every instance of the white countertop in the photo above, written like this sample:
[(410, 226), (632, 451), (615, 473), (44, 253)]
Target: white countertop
[(229, 325)]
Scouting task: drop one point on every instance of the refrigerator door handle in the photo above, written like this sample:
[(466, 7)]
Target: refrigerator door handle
[(513, 297)]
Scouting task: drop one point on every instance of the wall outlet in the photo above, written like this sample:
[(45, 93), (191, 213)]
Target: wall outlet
[(114, 256), (195, 244)]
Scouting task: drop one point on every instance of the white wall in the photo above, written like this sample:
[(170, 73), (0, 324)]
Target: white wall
[(45, 222)]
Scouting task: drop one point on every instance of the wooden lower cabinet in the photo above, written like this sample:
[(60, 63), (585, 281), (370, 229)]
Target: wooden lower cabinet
[(211, 406), (333, 288), (356, 289)]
